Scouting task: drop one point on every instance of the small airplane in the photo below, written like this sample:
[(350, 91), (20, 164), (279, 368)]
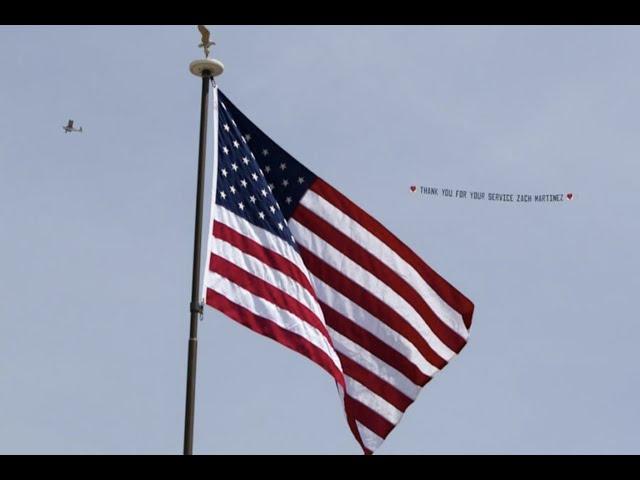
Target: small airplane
[(69, 127)]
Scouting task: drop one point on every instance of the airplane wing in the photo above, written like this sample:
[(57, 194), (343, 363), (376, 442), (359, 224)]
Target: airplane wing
[(70, 124)]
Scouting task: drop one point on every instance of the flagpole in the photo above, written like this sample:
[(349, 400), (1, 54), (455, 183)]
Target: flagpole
[(206, 69)]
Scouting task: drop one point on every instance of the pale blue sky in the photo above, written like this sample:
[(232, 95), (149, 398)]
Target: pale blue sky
[(96, 232)]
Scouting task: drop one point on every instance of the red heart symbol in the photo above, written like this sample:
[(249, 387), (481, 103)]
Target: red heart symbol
[(413, 188), (569, 196)]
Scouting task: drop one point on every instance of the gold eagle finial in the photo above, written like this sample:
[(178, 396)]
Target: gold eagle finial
[(206, 43)]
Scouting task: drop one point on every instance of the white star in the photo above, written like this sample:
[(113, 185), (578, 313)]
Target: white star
[(280, 226), (233, 189), (245, 160), (288, 200), (225, 150), (223, 195), (264, 192), (236, 144), (261, 215), (241, 206), (226, 127), (283, 166), (253, 199), (243, 182), (265, 152), (248, 136), (267, 169), (273, 209), (300, 179), (234, 166), (254, 176), (285, 182), (224, 172)]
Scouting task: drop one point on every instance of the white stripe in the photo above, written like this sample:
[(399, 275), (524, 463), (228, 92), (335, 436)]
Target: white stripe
[(343, 222), (267, 273), (371, 324), (261, 236), (373, 284), (370, 439), (373, 364), (372, 400), (263, 308)]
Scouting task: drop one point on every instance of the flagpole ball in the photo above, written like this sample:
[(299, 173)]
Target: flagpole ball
[(201, 66)]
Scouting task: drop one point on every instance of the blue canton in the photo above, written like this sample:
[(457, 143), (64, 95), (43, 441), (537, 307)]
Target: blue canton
[(287, 178), (241, 185)]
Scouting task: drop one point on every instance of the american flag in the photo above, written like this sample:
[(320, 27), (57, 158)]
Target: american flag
[(292, 258)]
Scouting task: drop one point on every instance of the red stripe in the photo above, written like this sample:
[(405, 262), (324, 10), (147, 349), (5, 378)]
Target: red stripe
[(265, 290), (372, 264), (373, 344), (270, 329), (262, 253), (351, 421), (368, 417), (369, 302), (444, 289), (374, 383)]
